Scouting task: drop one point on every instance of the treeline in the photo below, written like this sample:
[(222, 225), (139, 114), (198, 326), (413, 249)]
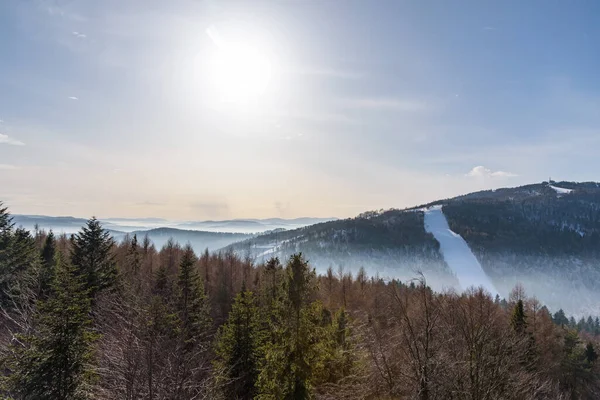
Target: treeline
[(84, 317)]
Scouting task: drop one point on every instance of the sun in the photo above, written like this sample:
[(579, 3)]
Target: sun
[(240, 72)]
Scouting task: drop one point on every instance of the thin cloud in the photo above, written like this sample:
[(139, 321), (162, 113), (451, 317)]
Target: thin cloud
[(79, 34), (482, 172), (489, 28), (5, 167), (5, 139), (73, 98), (384, 103)]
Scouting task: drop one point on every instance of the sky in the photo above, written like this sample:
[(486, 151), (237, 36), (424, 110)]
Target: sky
[(124, 108)]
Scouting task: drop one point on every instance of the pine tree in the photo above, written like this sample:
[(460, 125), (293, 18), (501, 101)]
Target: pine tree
[(497, 299), (92, 257), (339, 352), (238, 345), (194, 324), (19, 265), (560, 318), (589, 325), (572, 323), (53, 362), (47, 269), (191, 302), (293, 355), (590, 353), (518, 319), (133, 258)]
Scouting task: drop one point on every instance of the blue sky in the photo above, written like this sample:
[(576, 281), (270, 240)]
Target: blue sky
[(107, 107)]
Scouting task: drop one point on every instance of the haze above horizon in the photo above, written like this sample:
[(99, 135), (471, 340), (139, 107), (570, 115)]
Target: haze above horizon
[(220, 110)]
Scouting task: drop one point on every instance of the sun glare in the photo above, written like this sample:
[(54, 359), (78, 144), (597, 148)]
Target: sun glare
[(240, 73)]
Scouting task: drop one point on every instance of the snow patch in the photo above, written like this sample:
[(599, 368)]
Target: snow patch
[(456, 252), (561, 190)]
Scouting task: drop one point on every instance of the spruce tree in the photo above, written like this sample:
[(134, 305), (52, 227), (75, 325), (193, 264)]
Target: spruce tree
[(19, 265), (53, 363), (293, 355), (560, 318), (339, 355), (92, 257), (238, 345), (193, 327), (590, 353), (191, 302), (518, 319), (133, 258), (47, 269)]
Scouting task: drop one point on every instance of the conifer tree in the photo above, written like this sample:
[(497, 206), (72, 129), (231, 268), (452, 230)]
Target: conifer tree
[(194, 324), (133, 258), (590, 353), (19, 265), (191, 301), (518, 319), (339, 354), (47, 269), (238, 347), (53, 363), (92, 257), (294, 355), (560, 318)]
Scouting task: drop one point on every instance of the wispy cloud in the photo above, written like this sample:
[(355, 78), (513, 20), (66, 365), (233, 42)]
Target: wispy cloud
[(386, 103), (482, 172), (79, 34), (489, 28), (62, 11), (5, 139), (73, 98), (4, 167)]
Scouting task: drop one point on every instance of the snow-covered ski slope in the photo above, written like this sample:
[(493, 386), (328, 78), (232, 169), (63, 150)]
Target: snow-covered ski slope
[(560, 190), (456, 252)]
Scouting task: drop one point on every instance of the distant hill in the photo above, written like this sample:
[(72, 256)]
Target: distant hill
[(251, 225), (198, 239), (544, 235), (72, 224)]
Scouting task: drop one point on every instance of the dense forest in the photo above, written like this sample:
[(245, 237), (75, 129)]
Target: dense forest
[(84, 317)]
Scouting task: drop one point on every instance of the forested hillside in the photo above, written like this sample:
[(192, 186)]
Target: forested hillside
[(84, 317), (389, 244), (199, 240), (547, 240), (546, 236)]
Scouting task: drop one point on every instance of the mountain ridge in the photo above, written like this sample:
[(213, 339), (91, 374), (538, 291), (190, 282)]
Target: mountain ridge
[(544, 238)]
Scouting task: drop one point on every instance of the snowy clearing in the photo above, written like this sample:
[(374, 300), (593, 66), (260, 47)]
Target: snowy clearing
[(456, 252), (561, 190)]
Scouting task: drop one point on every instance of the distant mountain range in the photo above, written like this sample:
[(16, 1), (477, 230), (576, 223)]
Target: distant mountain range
[(545, 236), (72, 224), (200, 234), (200, 240)]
